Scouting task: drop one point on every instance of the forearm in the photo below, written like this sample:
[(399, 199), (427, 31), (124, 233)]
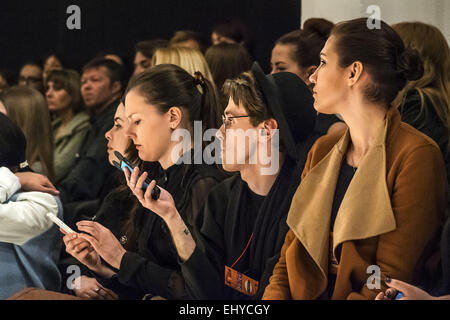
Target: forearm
[(181, 235)]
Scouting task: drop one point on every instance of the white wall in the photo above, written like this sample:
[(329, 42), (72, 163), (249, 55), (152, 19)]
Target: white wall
[(435, 12)]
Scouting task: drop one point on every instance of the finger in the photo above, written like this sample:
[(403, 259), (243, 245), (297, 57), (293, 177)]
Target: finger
[(380, 296), (111, 295), (148, 192), (91, 240), (62, 231), (127, 174), (401, 286), (104, 293), (391, 293), (90, 230), (69, 237), (141, 180), (82, 246), (134, 176)]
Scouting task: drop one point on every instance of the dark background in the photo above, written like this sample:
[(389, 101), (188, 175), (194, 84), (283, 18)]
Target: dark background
[(30, 30)]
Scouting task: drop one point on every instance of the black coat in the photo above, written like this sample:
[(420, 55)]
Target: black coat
[(221, 233), (90, 177), (153, 267)]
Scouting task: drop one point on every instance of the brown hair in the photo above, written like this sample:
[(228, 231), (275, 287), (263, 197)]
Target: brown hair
[(148, 47), (68, 80), (227, 61), (243, 91), (308, 41), (435, 53), (382, 52), (185, 35), (28, 109)]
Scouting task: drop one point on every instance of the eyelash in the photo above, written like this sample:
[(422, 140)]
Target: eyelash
[(322, 62), (118, 126), (137, 122)]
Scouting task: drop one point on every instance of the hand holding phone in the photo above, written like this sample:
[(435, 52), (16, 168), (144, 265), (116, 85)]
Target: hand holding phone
[(125, 163), (59, 223)]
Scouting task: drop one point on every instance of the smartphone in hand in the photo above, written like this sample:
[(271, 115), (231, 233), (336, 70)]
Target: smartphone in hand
[(125, 163)]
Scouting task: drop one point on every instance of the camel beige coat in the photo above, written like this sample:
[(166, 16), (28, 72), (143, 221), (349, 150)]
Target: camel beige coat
[(389, 217)]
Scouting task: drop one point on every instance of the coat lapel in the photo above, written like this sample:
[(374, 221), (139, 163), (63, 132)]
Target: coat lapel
[(365, 210)]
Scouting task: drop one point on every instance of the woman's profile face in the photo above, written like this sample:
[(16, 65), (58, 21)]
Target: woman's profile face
[(282, 60), (117, 139), (149, 128), (330, 89)]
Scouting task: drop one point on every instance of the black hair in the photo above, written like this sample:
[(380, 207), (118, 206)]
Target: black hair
[(12, 143), (115, 71)]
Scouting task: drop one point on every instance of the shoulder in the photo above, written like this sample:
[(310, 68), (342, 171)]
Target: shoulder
[(407, 139)]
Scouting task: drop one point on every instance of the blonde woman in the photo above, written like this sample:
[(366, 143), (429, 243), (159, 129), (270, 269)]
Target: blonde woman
[(189, 59), (28, 109), (425, 103)]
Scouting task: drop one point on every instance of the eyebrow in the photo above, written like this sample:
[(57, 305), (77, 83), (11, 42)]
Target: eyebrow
[(118, 118), (323, 54), (132, 115)]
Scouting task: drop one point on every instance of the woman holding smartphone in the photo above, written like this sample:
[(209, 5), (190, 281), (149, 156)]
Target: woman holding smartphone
[(157, 102)]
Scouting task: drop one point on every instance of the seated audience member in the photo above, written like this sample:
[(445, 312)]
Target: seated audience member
[(299, 52), (31, 75), (28, 109), (51, 62), (7, 79), (227, 61), (138, 256), (241, 228), (29, 241), (187, 39), (71, 122), (425, 103), (144, 53), (101, 88), (405, 291), (374, 195), (232, 31), (189, 59)]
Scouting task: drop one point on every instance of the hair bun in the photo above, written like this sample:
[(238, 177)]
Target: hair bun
[(410, 64), (318, 25)]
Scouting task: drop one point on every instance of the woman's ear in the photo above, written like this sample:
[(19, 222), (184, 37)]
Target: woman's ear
[(175, 117), (354, 72)]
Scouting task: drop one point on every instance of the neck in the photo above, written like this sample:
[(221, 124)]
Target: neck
[(102, 107), (257, 182), (167, 160), (364, 122), (65, 115)]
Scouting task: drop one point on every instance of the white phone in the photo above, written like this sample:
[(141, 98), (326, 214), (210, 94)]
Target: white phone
[(59, 222)]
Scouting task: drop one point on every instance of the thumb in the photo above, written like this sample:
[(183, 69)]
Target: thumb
[(401, 286)]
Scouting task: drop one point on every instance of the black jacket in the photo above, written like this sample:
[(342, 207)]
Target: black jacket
[(90, 178), (153, 267), (221, 233)]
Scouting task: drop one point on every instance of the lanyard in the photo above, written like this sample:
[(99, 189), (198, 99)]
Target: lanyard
[(246, 247)]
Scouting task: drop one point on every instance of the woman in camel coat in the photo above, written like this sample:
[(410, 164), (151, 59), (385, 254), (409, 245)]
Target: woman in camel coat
[(372, 195)]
